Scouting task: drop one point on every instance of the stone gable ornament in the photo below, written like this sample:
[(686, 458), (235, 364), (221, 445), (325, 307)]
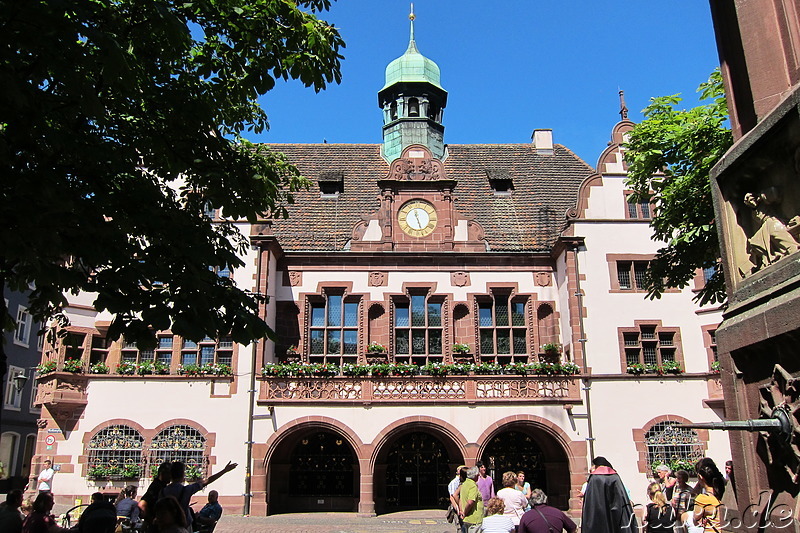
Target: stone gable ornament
[(295, 278), (460, 279), (416, 169), (543, 279), (377, 279)]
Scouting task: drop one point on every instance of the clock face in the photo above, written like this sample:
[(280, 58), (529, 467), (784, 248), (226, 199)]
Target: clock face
[(417, 218)]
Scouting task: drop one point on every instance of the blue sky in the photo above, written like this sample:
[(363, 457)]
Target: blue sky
[(509, 68)]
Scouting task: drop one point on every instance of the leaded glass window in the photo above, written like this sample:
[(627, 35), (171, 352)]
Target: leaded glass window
[(116, 451), (679, 448), (503, 330), (333, 332), (180, 443), (418, 329), (650, 345)]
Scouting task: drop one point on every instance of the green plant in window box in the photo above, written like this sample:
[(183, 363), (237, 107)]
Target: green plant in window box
[(193, 472), (636, 369), (672, 367), (549, 369), (380, 369), (46, 367), (98, 368), (73, 365), (130, 471), (352, 370), (460, 348), (436, 369), (375, 347), (189, 370), (224, 370), (324, 370), (271, 370), (126, 368), (160, 368), (488, 368), (651, 368), (461, 369), (404, 369), (716, 367), (145, 368), (551, 348), (570, 369), (516, 368), (98, 472)]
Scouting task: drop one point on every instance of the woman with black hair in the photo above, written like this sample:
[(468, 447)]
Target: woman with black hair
[(706, 515), (606, 504)]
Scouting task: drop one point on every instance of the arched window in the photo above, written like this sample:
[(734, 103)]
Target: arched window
[(393, 110), (677, 447), (116, 452), (180, 443), (8, 453)]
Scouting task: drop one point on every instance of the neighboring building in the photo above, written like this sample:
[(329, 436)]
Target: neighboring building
[(18, 435), (418, 246)]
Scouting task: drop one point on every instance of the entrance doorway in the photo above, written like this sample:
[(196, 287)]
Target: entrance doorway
[(315, 470), (534, 452), (417, 473)]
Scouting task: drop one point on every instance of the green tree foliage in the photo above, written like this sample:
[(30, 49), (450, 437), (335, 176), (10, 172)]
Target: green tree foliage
[(121, 124), (670, 155)]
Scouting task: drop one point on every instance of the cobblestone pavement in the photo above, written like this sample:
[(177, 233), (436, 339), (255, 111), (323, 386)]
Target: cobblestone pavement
[(429, 521)]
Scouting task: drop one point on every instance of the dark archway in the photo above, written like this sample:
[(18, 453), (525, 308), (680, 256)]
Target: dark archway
[(315, 470), (530, 449), (413, 473)]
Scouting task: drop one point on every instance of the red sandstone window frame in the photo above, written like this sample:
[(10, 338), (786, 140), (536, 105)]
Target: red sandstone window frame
[(317, 301), (637, 210), (640, 439), (498, 324), (430, 326), (663, 340), (710, 342)]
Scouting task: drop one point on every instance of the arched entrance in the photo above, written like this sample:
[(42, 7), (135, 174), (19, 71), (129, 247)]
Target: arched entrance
[(529, 448), (413, 473), (313, 470)]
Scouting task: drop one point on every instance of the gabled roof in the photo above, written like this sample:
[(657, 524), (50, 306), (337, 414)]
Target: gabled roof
[(529, 219)]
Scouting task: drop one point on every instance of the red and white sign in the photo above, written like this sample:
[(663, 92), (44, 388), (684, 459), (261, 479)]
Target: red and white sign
[(49, 440)]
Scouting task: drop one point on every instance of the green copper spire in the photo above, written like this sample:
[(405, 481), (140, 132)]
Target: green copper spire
[(412, 66), (413, 102)]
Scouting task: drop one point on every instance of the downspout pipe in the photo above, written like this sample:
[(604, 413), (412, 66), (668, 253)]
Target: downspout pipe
[(248, 495), (587, 379)]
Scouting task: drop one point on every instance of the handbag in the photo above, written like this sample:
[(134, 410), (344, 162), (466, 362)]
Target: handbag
[(546, 521), (451, 514)]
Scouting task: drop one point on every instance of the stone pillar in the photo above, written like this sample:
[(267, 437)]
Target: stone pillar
[(366, 500)]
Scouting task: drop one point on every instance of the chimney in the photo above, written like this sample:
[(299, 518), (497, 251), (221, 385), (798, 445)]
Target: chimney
[(543, 141)]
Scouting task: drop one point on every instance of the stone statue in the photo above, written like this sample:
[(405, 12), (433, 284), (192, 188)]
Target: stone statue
[(770, 240)]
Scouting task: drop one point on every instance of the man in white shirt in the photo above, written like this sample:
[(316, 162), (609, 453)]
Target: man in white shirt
[(45, 478)]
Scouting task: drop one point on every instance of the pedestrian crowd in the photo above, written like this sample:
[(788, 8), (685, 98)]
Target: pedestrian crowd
[(674, 506), (164, 508)]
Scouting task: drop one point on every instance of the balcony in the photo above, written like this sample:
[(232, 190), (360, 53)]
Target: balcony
[(63, 390), (469, 389)]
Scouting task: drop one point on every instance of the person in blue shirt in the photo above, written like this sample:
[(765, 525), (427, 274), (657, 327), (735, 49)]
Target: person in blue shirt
[(210, 513)]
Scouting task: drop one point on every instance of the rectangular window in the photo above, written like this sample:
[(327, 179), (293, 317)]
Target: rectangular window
[(99, 350), (418, 329), (164, 349), (503, 335), (650, 344), (631, 275), (13, 398), (24, 322), (333, 332), (637, 210)]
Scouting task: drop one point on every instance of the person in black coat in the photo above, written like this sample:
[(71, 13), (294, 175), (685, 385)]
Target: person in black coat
[(606, 504)]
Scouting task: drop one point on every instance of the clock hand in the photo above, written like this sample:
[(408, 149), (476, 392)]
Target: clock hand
[(416, 215)]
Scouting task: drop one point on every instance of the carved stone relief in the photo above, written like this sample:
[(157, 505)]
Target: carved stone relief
[(295, 278), (377, 279), (459, 279), (416, 169), (761, 200), (782, 455), (543, 279)]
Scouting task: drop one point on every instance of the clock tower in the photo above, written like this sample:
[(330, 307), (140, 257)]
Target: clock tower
[(413, 101)]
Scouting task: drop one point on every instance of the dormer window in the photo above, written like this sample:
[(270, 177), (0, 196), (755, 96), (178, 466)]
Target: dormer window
[(500, 181), (331, 184)]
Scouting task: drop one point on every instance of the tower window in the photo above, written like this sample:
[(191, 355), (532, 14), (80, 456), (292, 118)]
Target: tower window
[(393, 110), (413, 107)]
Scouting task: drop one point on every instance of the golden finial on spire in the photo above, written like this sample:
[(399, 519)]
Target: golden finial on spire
[(411, 17)]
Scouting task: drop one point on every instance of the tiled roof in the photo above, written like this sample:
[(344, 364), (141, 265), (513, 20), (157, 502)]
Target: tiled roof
[(530, 219)]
